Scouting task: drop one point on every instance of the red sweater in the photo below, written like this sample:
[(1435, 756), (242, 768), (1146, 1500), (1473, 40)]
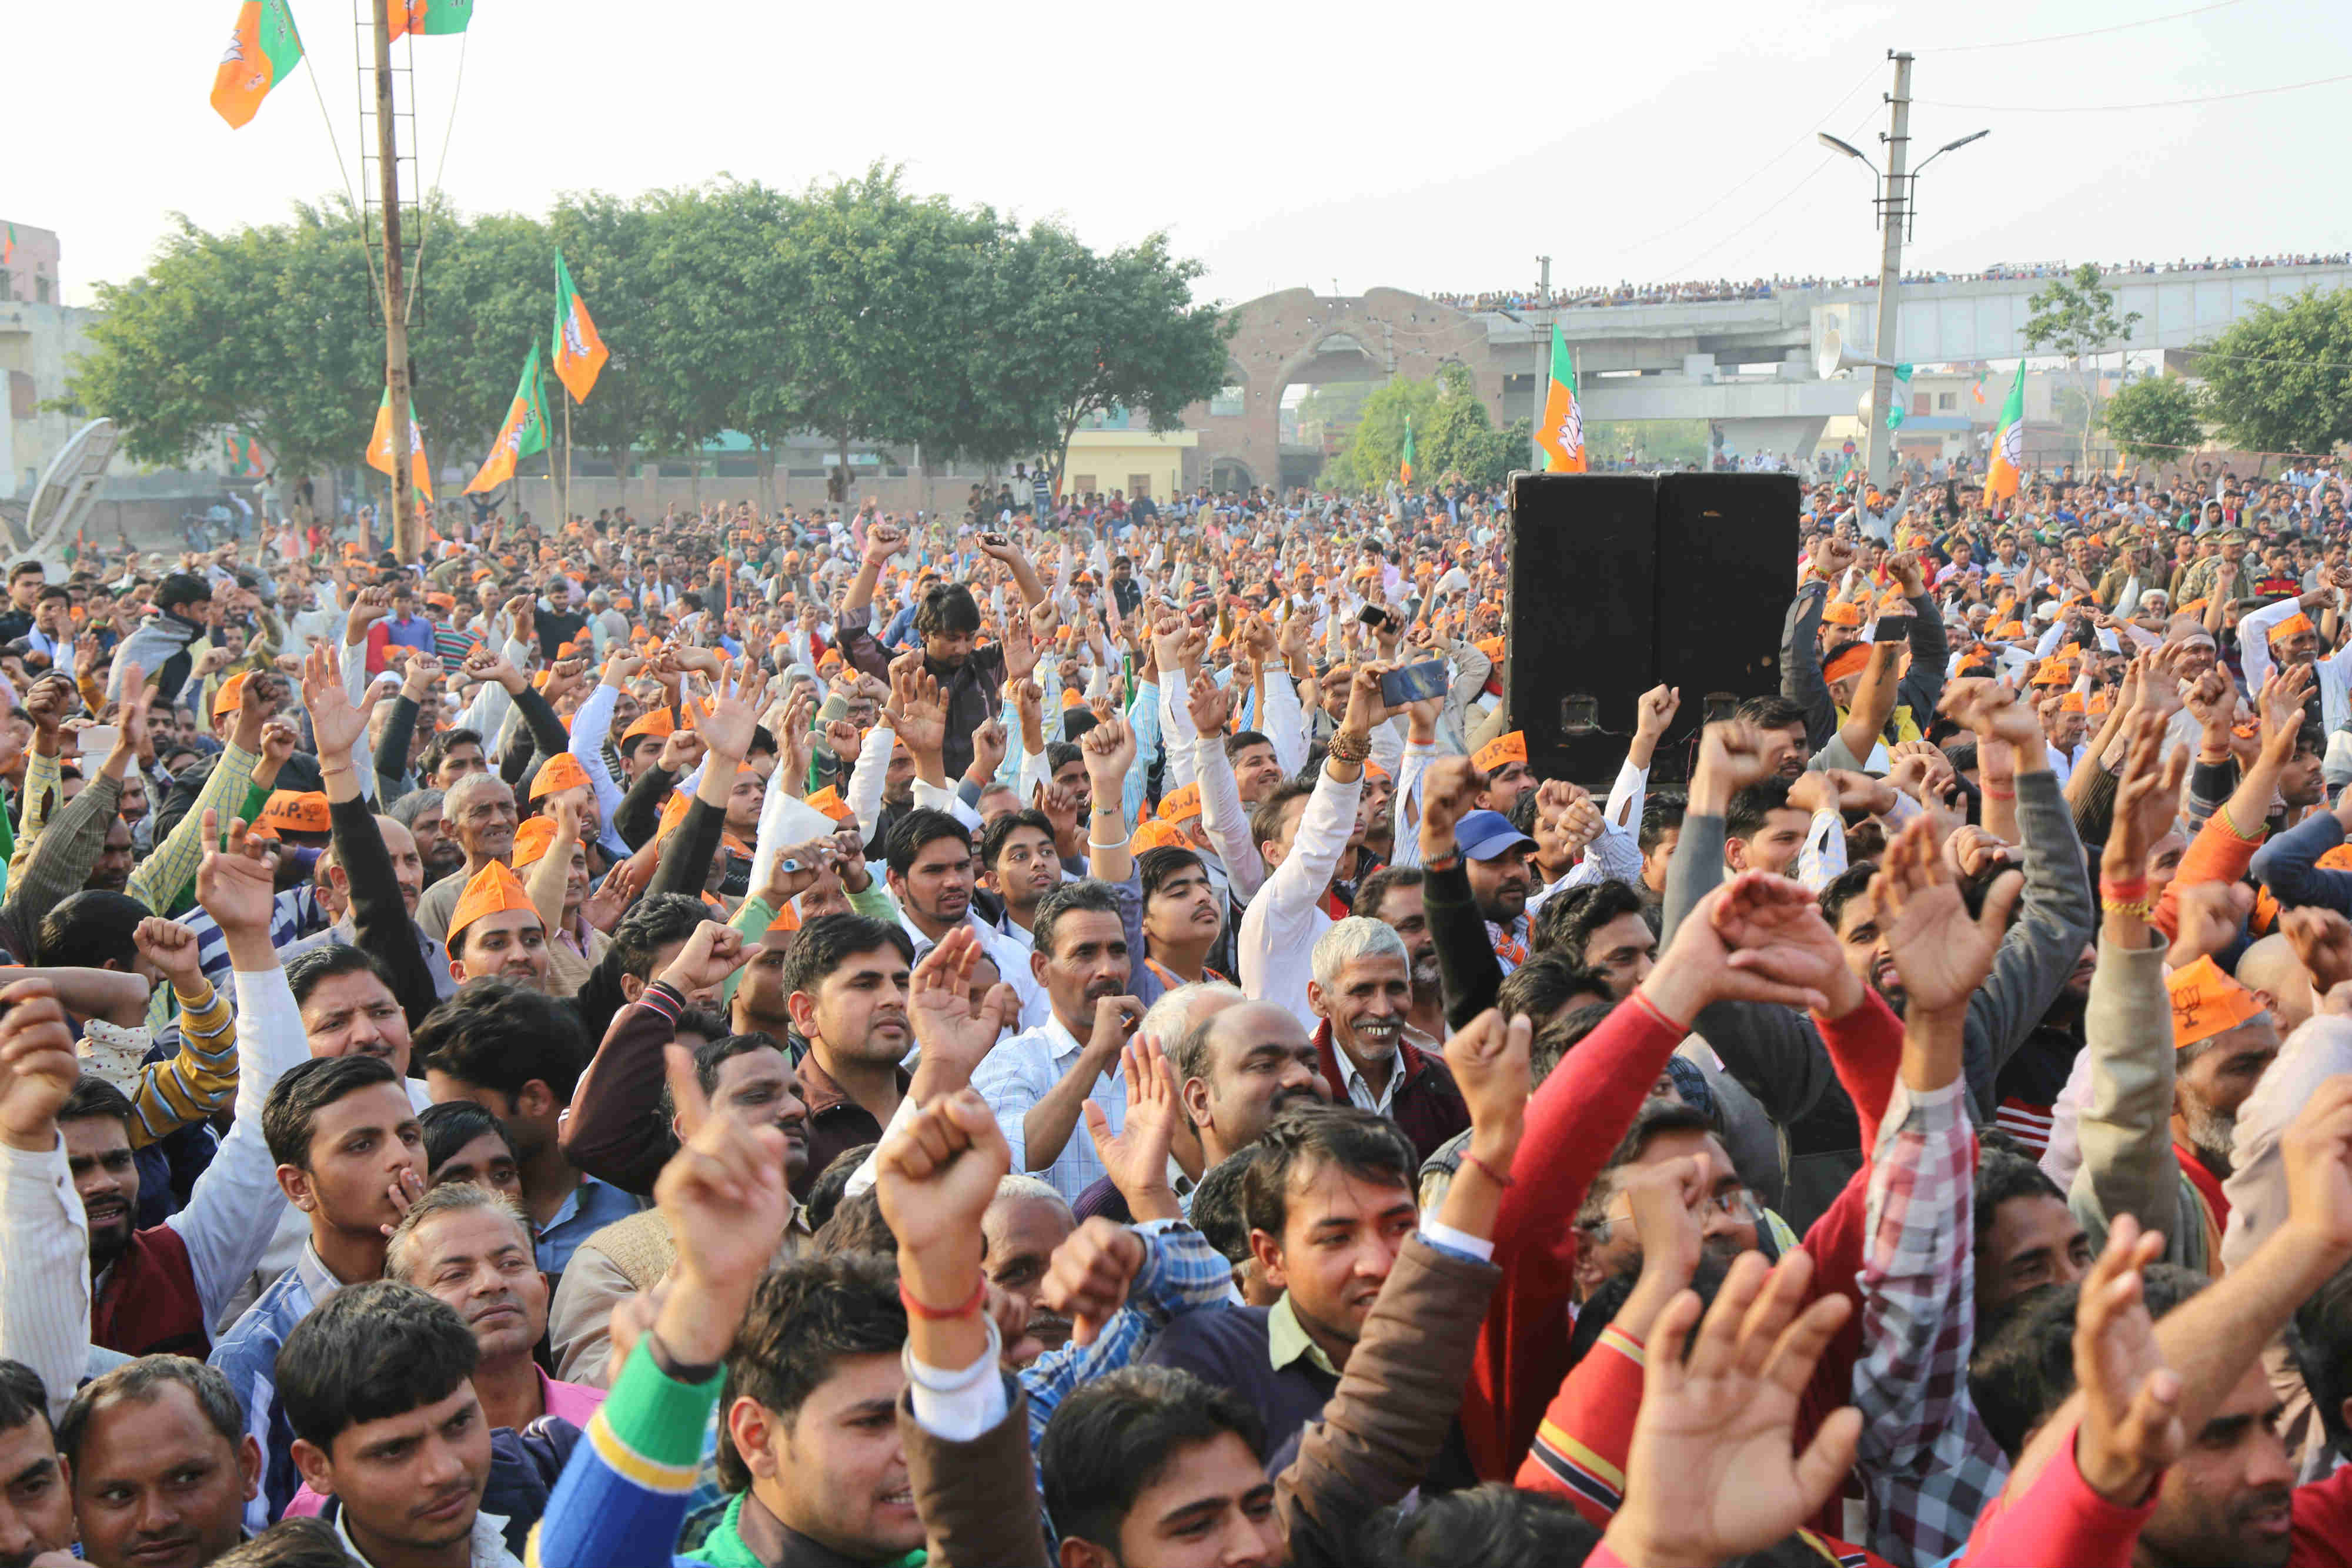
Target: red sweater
[(1574, 1121), (148, 1304)]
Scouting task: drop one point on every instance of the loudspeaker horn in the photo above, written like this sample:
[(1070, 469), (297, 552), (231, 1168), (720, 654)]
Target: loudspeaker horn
[(1833, 356)]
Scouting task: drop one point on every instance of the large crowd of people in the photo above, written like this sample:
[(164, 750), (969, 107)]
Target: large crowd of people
[(1594, 296), (1079, 1033)]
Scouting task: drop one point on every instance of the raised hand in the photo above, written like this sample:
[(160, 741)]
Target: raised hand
[(727, 729), (39, 1068), (613, 897), (723, 1197), (237, 885), (712, 952), (1489, 1059), (2131, 1427), (1450, 788), (1775, 935), (2148, 798), (2322, 940), (2280, 704), (935, 1176), (1731, 757), (918, 708), (1136, 1156), (483, 665), (335, 724), (1994, 713), (1713, 1471), (1941, 954), (1110, 749), (989, 743), (1087, 1278), (1654, 710), (1701, 967), (171, 948), (952, 1035), (1210, 706)]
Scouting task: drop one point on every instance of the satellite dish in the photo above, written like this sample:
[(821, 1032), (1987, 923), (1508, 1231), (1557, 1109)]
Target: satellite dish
[(63, 497), (1833, 356)]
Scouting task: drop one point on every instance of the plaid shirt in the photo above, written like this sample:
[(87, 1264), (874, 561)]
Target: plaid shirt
[(1928, 1465)]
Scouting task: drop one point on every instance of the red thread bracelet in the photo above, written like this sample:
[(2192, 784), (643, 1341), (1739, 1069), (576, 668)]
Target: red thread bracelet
[(933, 1314), (2123, 892), (1500, 1178)]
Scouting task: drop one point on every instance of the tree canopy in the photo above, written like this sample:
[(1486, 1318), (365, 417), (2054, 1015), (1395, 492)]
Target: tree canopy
[(856, 309), (2280, 378), (1453, 437), (2157, 419)]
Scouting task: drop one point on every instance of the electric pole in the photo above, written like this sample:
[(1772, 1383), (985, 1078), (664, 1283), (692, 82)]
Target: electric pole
[(1878, 448), (407, 539)]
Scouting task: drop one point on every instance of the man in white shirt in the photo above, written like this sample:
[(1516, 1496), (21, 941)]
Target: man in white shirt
[(1039, 1082), (930, 876), (1302, 835)]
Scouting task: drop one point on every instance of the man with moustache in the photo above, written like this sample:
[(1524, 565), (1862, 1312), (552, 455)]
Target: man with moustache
[(1363, 990)]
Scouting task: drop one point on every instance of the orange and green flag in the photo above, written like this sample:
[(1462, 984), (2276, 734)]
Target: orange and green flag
[(243, 456), (524, 432), (1561, 435), (1405, 464), (578, 352), (261, 54), (430, 16), (379, 451), (8, 245), (2009, 446)]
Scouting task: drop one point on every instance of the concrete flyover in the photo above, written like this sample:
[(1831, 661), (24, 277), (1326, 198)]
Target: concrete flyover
[(1744, 364)]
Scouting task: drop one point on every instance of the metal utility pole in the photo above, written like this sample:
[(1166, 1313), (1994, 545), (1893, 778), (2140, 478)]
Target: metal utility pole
[(1543, 275), (1878, 448), (407, 535)]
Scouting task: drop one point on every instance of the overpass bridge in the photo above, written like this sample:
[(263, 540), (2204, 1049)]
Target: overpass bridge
[(1746, 364)]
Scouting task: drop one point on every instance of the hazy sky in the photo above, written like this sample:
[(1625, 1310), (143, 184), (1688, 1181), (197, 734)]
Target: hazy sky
[(1282, 145)]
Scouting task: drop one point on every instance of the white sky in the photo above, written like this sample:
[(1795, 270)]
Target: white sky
[(1283, 145)]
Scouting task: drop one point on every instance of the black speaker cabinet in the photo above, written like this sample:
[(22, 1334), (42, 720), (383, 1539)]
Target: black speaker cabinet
[(1622, 582)]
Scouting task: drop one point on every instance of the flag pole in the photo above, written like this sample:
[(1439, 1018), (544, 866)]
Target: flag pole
[(405, 542), (565, 520)]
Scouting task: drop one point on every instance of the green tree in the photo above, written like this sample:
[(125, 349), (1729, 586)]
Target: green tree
[(608, 243), (2280, 378), (2157, 419), (2075, 315), (267, 329), (1083, 333), (481, 297), (1453, 435), (879, 285)]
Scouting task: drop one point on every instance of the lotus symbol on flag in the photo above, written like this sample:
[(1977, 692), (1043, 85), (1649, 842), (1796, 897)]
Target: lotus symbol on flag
[(236, 50), (2012, 447), (574, 342), (1571, 429)]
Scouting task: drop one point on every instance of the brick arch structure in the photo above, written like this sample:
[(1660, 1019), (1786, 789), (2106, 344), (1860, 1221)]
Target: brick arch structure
[(1282, 338)]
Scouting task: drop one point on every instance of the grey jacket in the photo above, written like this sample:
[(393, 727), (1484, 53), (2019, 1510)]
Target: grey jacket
[(2129, 1163), (1778, 1056)]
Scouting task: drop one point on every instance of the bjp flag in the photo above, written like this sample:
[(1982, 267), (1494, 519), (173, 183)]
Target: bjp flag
[(379, 451), (2009, 446), (429, 17), (578, 354), (524, 432), (1562, 433), (261, 53)]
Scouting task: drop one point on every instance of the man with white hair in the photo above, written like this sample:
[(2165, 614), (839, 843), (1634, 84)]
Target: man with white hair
[(1363, 990)]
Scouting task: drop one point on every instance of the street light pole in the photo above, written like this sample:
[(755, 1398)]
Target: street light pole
[(1878, 441)]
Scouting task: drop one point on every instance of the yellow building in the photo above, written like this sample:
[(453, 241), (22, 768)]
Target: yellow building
[(1133, 462)]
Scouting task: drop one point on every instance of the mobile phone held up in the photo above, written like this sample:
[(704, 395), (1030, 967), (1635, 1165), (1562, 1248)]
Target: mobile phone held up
[(1413, 683)]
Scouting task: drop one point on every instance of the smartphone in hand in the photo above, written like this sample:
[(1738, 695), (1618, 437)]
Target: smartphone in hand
[(1414, 683)]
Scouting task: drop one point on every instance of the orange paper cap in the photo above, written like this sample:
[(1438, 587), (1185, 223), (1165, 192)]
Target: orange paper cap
[(2009, 628), (1181, 805), (1501, 752), (296, 811), (1850, 660), (231, 694), (673, 812), (2073, 702), (532, 837), (1842, 614), (2298, 622), (829, 800), (2337, 859), (657, 722), (1154, 835), (2052, 672), (787, 921), (561, 771), (1490, 646), (2207, 1003), (494, 891)]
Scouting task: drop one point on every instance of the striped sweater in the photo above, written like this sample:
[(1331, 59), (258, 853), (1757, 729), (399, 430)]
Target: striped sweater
[(621, 1498)]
